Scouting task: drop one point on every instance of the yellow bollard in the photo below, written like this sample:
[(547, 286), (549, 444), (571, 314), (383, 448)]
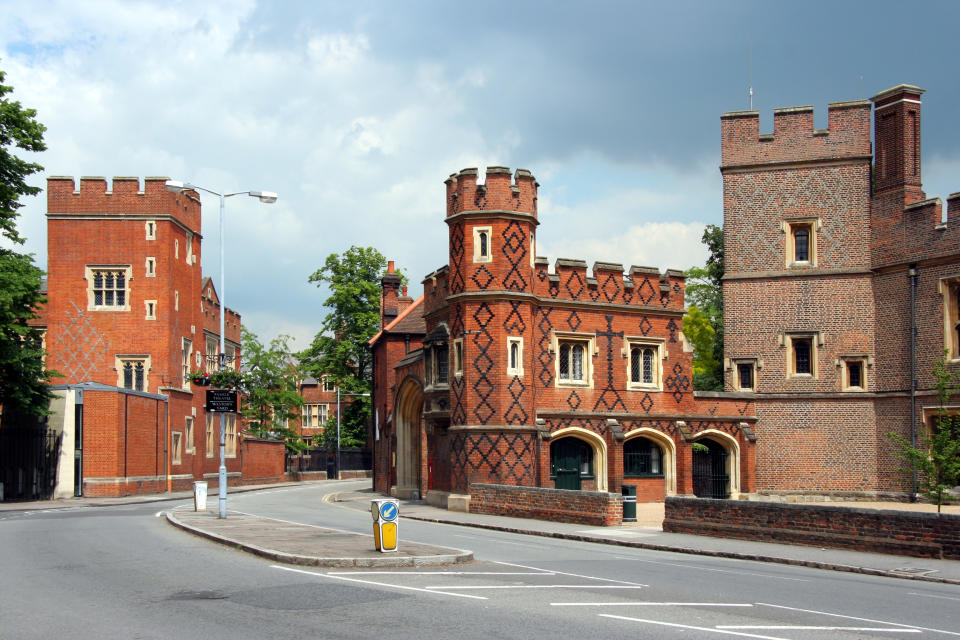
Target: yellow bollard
[(385, 528)]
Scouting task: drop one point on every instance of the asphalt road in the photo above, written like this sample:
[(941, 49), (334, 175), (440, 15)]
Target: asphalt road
[(122, 572)]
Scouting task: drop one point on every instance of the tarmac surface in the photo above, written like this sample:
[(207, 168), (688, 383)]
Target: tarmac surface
[(303, 544)]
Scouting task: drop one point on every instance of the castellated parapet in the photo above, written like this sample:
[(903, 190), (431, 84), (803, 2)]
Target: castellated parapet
[(607, 283), (498, 192), (125, 196), (794, 138)]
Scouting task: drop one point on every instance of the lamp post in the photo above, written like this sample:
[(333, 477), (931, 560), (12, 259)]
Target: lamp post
[(268, 197), (361, 395)]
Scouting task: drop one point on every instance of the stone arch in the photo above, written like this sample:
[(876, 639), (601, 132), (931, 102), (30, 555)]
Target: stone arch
[(598, 446), (669, 448), (732, 447), (408, 414)]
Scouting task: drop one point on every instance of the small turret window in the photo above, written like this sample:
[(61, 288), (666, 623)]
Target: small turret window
[(482, 245)]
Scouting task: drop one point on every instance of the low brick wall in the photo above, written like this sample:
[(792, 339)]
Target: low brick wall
[(263, 461), (596, 508), (925, 535)]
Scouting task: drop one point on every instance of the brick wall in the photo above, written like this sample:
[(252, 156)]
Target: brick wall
[(559, 505), (909, 533), (263, 461)]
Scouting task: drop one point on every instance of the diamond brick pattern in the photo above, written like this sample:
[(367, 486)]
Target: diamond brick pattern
[(610, 397), (677, 383), (573, 400), (514, 324), (515, 250), (504, 458), (646, 291), (515, 412), (456, 258), (575, 285), (81, 347), (673, 328), (482, 277), (573, 321), (543, 357), (645, 325), (483, 364), (611, 287)]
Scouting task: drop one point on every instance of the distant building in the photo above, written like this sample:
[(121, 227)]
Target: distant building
[(130, 314), (507, 373)]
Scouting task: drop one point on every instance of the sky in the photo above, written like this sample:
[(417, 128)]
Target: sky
[(355, 112)]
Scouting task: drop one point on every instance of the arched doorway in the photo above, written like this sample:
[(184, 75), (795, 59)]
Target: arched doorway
[(659, 445), (571, 463), (408, 412), (711, 476)]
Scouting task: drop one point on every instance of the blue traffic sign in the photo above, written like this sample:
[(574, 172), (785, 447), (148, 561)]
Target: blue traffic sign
[(388, 511)]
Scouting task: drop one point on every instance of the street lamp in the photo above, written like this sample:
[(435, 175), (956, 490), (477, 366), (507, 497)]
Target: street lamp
[(268, 197), (361, 395)]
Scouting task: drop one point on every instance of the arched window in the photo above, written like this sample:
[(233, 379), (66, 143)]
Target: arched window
[(483, 244), (514, 354), (642, 458)]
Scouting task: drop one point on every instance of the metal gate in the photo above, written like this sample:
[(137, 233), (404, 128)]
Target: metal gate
[(28, 462), (710, 478)]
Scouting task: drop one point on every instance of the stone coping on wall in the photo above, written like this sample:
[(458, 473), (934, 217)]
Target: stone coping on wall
[(597, 508), (892, 531)]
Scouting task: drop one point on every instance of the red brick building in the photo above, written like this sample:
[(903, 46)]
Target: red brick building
[(834, 258), (129, 308), (563, 379)]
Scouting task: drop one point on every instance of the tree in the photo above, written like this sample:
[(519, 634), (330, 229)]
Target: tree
[(23, 389), (269, 386), (339, 350), (937, 461), (703, 322)]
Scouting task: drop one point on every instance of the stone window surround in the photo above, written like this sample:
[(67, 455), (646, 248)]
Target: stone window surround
[(789, 227), (660, 354), (570, 337), (458, 357), (518, 370), (733, 364), (843, 362), (488, 230), (176, 447), (188, 434), (122, 358), (816, 341), (128, 277), (949, 288)]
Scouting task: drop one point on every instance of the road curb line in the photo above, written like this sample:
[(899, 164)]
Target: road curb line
[(812, 564), (317, 561)]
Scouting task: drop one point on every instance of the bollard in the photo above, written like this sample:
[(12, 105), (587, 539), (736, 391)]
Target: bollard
[(629, 503), (385, 514), (200, 496)]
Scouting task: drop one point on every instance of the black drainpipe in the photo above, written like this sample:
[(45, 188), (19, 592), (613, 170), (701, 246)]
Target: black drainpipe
[(912, 273)]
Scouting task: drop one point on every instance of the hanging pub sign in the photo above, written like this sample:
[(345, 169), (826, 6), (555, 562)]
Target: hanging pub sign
[(221, 401)]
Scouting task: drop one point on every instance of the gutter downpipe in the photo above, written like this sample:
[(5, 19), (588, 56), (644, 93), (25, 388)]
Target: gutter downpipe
[(912, 273)]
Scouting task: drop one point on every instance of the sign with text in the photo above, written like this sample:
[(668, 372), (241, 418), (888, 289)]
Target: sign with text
[(221, 401)]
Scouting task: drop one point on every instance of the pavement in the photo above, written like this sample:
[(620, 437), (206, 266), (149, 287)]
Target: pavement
[(303, 544)]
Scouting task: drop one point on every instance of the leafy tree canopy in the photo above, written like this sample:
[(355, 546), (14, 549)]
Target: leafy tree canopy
[(23, 389), (937, 460), (339, 351), (703, 322)]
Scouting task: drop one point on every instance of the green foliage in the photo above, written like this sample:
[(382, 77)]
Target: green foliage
[(269, 386), (937, 460), (339, 351), (23, 389), (703, 322)]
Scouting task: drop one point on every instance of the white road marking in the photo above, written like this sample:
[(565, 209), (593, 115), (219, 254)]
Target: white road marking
[(440, 573), (539, 586), (648, 604), (158, 514), (927, 595), (379, 584), (687, 626), (746, 627), (840, 615), (574, 575)]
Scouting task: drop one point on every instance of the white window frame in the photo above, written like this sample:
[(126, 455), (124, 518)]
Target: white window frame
[(230, 442), (458, 357), (186, 351), (749, 362), (176, 447), (588, 341), (791, 339), (476, 244), (316, 415), (949, 289), (518, 369), (659, 355), (327, 385), (212, 351), (211, 434), (188, 435), (90, 272), (150, 227), (188, 250), (120, 360), (150, 267), (844, 363)]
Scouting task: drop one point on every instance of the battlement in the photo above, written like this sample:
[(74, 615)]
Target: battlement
[(499, 192), (607, 282), (124, 196), (794, 138)]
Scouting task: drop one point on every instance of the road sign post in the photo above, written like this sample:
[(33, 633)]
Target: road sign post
[(385, 513)]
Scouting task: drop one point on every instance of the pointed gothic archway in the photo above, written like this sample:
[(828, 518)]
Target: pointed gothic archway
[(408, 412)]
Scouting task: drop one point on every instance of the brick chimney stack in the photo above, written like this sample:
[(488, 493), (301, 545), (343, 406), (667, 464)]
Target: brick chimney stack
[(389, 302)]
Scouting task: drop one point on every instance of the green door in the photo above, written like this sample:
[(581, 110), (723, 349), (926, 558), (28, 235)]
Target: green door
[(568, 457)]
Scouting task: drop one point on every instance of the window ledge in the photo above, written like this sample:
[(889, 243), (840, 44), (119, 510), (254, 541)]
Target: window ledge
[(643, 387), (567, 383)]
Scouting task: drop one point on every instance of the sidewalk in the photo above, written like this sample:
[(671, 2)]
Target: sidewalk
[(646, 533)]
